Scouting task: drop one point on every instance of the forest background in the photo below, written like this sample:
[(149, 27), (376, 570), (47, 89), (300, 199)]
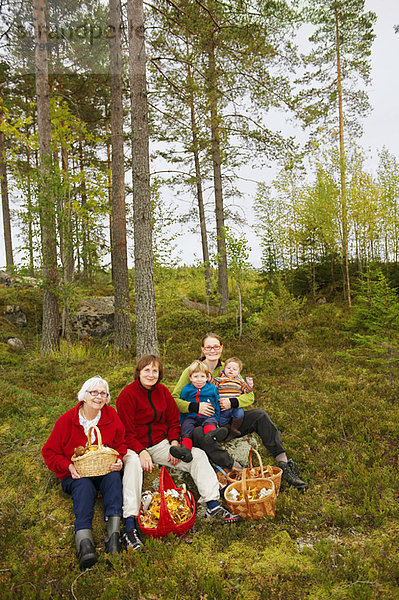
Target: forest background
[(316, 322)]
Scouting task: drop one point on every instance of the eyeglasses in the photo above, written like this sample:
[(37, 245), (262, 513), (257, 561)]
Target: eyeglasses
[(209, 348), (97, 393)]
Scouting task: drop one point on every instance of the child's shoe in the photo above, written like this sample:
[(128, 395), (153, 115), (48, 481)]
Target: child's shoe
[(234, 429), (217, 435), (182, 453)]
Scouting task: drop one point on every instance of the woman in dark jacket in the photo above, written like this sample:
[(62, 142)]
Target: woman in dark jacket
[(70, 431)]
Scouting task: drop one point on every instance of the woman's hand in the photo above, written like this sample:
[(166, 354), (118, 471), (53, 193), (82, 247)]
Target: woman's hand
[(173, 461), (146, 461), (73, 471), (250, 381), (225, 404), (117, 465), (206, 409)]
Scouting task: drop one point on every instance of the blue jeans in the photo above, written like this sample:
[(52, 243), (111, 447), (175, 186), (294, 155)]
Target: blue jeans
[(84, 493), (230, 413)]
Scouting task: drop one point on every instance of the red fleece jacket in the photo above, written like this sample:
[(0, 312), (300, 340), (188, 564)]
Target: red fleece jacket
[(68, 433), (149, 416)]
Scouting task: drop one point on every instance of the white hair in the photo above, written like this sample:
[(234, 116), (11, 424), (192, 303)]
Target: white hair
[(90, 384)]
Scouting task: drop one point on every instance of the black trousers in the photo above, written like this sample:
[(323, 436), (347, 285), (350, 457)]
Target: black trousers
[(255, 421)]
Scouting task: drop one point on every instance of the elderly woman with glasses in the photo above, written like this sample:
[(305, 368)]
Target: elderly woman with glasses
[(70, 431), (254, 421)]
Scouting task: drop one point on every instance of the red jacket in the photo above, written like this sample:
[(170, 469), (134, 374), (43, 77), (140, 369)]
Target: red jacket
[(149, 416), (68, 433)]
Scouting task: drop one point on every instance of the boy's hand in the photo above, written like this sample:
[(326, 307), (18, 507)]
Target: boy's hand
[(250, 381), (206, 409)]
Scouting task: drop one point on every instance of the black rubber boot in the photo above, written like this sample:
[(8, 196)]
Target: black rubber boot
[(291, 475), (85, 548), (217, 435), (112, 541), (182, 453)]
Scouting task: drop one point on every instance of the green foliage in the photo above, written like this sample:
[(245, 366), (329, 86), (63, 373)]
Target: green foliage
[(338, 419), (280, 315), (374, 324)]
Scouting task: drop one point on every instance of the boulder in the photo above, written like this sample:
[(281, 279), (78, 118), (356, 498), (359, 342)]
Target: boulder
[(15, 315), (20, 281), (240, 447), (6, 279), (16, 344), (95, 317)]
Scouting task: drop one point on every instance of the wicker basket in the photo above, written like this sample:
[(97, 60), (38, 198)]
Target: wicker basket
[(98, 460), (256, 472), (252, 509), (261, 472)]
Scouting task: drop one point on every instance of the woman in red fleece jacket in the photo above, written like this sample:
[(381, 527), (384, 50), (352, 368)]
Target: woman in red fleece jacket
[(70, 431), (152, 422)]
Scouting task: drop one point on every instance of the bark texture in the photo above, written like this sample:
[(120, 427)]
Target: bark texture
[(146, 326), (123, 329), (51, 316)]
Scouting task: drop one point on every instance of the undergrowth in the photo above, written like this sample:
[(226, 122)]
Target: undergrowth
[(338, 421)]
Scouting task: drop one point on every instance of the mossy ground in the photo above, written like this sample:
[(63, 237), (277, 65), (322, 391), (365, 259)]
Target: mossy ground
[(338, 420)]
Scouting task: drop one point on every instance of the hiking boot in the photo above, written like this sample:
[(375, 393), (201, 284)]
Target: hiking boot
[(182, 453), (217, 435), (131, 540), (291, 475), (221, 514), (86, 549)]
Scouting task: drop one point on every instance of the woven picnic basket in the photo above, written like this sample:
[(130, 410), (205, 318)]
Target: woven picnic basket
[(166, 524), (255, 472), (98, 460), (248, 508)]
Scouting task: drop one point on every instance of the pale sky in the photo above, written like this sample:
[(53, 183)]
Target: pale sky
[(381, 128)]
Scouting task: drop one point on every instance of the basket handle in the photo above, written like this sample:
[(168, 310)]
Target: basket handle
[(217, 468), (99, 437), (253, 451), (244, 490)]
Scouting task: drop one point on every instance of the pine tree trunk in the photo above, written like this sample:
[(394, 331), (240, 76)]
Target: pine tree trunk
[(198, 181), (146, 326), (51, 317), (4, 198), (122, 323), (223, 285), (342, 164)]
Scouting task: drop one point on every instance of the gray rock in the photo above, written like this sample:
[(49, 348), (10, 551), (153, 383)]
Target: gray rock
[(16, 344), (6, 279), (15, 315), (9, 281), (240, 447), (95, 317)]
